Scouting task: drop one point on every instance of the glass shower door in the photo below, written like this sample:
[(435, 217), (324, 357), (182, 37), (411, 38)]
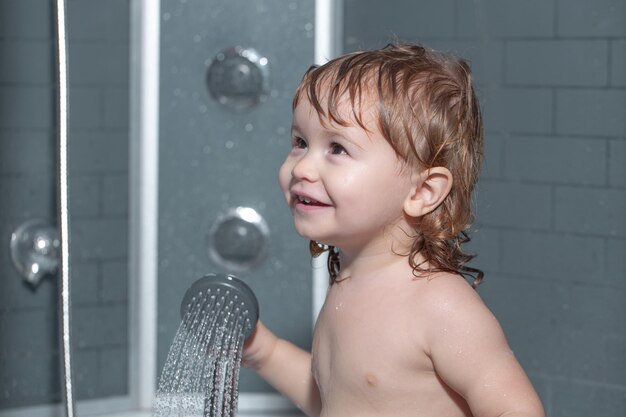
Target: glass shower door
[(98, 152), (228, 73)]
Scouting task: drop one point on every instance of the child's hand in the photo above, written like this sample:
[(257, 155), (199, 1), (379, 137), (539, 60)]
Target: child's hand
[(284, 366), (258, 347)]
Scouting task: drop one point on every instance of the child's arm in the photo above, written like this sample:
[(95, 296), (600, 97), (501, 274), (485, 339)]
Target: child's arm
[(284, 366), (470, 353)]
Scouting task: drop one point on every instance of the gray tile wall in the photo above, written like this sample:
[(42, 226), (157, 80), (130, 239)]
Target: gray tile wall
[(551, 204), (98, 68)]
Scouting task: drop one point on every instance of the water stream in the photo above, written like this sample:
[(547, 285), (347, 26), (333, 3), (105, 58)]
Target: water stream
[(201, 374)]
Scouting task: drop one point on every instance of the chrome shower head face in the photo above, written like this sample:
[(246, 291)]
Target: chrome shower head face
[(232, 289)]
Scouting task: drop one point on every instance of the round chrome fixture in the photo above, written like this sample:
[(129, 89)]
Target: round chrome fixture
[(35, 250), (238, 78), (238, 239)]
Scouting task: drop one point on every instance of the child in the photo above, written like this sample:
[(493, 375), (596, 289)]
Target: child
[(386, 149)]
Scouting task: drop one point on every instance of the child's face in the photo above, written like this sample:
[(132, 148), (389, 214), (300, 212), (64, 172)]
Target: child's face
[(344, 185)]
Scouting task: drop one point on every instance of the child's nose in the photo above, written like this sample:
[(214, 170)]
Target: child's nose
[(305, 168)]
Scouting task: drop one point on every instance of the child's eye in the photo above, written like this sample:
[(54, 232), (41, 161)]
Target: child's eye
[(337, 149), (298, 143)]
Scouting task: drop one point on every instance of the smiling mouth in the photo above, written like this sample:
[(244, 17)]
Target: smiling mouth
[(309, 202)]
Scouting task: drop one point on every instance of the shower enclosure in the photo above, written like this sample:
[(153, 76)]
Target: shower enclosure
[(229, 205), (201, 89), (104, 351)]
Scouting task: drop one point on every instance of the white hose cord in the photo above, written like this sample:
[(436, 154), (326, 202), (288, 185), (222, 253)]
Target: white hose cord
[(63, 214)]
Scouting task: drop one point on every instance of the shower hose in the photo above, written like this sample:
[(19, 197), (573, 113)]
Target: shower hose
[(63, 211)]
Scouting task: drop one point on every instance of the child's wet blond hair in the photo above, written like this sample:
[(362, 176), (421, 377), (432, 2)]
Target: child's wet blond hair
[(429, 114)]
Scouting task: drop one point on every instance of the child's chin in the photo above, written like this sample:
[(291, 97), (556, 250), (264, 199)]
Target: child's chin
[(312, 236), (308, 232)]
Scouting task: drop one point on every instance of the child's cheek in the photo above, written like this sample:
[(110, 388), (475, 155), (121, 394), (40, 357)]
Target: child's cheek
[(284, 178)]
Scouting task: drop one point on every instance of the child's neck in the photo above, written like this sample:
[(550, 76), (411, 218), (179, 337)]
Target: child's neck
[(392, 246), (367, 260)]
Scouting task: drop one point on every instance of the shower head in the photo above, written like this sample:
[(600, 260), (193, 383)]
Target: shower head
[(232, 289)]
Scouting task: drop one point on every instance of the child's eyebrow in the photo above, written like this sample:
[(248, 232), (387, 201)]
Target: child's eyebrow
[(329, 133), (295, 128)]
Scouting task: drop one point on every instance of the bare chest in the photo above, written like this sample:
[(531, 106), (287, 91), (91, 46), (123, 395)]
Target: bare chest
[(366, 340), (369, 356)]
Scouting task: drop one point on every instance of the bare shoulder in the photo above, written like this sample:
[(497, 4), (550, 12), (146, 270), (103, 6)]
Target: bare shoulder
[(443, 291), (468, 349), (454, 308)]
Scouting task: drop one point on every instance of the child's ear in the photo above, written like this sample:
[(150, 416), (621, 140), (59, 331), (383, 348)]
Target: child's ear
[(429, 188)]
